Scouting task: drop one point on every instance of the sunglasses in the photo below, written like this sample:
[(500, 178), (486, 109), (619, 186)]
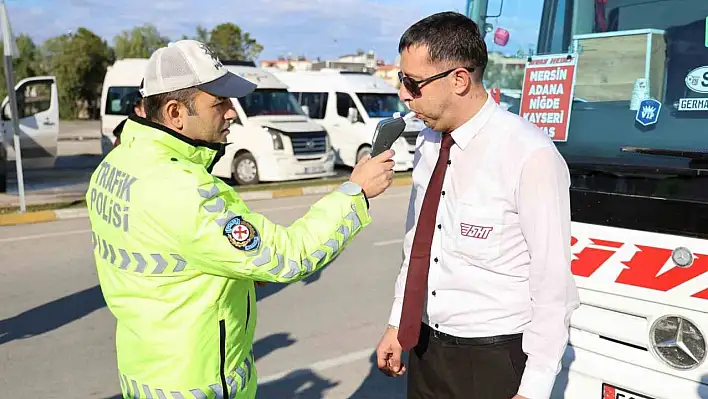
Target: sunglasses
[(413, 86)]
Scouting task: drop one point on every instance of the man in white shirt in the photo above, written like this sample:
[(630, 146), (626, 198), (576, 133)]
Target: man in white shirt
[(485, 292)]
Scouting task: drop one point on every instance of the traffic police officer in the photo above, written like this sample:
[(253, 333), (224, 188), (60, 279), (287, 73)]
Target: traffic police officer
[(177, 251)]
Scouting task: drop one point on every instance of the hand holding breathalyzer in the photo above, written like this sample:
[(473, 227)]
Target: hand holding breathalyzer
[(374, 175)]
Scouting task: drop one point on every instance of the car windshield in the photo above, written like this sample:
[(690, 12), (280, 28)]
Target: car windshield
[(381, 105), (270, 102)]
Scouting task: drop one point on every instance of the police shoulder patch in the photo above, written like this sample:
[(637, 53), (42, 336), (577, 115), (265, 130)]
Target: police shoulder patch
[(241, 234)]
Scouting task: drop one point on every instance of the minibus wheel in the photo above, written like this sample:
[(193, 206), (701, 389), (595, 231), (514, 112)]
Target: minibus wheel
[(244, 169), (363, 151)]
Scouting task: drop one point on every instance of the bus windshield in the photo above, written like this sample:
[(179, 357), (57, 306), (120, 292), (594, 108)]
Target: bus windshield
[(640, 100)]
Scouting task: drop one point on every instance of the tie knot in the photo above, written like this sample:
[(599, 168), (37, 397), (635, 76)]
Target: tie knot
[(447, 141)]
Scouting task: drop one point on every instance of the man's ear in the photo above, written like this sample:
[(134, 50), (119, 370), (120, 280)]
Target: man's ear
[(172, 115), (463, 81)]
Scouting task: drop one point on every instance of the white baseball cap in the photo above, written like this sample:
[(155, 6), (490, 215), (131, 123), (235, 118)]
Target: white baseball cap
[(189, 63)]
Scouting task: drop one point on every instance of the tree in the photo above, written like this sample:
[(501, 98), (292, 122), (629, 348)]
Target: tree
[(26, 65), (230, 43), (202, 34), (496, 75), (493, 74), (79, 61), (139, 42)]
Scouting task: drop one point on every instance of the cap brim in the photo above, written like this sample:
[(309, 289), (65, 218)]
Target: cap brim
[(229, 85)]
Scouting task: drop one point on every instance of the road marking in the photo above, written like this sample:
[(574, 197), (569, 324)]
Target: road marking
[(389, 242), (320, 366), (31, 237)]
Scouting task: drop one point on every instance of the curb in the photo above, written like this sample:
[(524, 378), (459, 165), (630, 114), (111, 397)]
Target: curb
[(12, 219)]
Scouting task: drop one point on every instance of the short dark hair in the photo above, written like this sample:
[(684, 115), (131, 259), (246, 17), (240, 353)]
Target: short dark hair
[(451, 38), (153, 104)]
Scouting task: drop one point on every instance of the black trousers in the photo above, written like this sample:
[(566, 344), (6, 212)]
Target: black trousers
[(445, 367)]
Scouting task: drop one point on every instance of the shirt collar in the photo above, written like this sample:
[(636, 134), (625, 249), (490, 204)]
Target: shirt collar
[(140, 131), (465, 133)]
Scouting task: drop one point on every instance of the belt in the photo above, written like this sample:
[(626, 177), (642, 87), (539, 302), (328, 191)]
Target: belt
[(473, 341)]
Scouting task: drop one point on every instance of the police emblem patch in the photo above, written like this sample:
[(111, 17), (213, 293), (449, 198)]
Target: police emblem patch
[(241, 234)]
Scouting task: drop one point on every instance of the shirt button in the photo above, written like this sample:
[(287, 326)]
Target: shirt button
[(436, 260), (434, 293), (443, 193), (449, 162), (436, 325), (439, 226)]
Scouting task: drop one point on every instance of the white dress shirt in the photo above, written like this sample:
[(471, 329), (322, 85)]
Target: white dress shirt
[(500, 258)]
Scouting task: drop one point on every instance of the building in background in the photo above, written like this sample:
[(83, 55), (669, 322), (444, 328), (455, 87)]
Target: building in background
[(361, 61), (389, 73), (300, 63)]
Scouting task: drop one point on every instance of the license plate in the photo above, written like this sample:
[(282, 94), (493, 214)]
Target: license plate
[(309, 170), (613, 392)]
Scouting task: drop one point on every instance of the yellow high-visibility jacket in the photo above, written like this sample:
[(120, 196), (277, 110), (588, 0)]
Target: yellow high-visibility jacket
[(177, 252)]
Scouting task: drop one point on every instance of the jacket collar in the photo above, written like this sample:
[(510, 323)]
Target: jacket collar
[(139, 130)]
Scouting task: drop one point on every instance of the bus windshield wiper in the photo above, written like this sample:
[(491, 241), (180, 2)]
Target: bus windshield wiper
[(697, 159)]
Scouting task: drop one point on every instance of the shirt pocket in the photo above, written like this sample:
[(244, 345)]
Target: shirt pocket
[(478, 233)]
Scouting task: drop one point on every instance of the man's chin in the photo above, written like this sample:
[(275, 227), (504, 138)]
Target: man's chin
[(427, 122), (422, 118)]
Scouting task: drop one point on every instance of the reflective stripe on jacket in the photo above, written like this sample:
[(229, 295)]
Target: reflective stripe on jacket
[(177, 252)]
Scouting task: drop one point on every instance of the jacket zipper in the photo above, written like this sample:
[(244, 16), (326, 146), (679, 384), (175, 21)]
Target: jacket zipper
[(222, 357), (222, 346), (248, 310)]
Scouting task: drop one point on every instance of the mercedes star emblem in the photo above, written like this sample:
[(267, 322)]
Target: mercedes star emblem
[(678, 342), (682, 257)]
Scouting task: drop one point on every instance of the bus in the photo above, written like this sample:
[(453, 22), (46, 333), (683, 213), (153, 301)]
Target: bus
[(639, 193)]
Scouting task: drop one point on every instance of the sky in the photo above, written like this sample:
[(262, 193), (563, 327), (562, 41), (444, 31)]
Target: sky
[(313, 28)]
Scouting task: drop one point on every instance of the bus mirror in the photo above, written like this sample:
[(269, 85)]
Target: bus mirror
[(353, 115), (501, 37)]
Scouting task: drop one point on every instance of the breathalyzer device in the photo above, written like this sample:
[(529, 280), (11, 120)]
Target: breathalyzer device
[(388, 131)]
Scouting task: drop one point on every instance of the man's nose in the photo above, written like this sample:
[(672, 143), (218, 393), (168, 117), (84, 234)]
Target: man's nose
[(230, 111), (403, 94)]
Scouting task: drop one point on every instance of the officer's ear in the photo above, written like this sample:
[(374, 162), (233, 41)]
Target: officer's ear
[(173, 113)]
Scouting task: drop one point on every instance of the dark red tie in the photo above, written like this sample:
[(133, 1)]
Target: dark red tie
[(419, 261)]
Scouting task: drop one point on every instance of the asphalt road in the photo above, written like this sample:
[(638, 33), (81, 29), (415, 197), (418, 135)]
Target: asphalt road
[(57, 336)]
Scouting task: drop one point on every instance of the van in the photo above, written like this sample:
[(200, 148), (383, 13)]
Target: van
[(38, 109), (272, 138), (120, 90), (350, 105)]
